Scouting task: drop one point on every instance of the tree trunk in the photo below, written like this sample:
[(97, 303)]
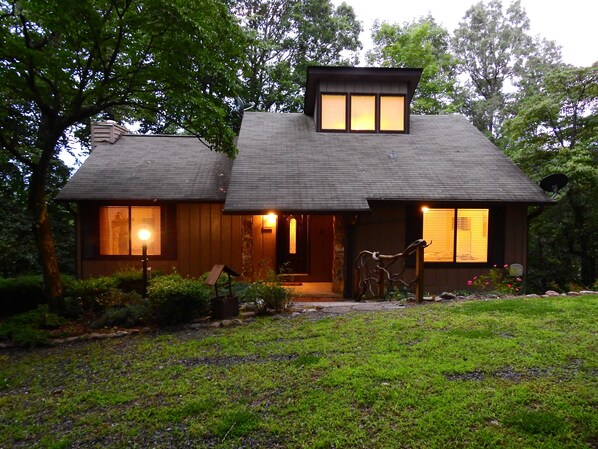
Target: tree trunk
[(42, 230)]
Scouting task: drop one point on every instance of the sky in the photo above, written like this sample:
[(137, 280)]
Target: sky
[(571, 23)]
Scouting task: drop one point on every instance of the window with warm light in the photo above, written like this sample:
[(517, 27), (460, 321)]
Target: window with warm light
[(367, 113), (334, 112), (363, 113), (293, 236), (392, 113), (457, 235), (120, 226)]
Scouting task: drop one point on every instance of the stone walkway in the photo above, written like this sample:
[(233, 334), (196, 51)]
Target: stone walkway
[(337, 307)]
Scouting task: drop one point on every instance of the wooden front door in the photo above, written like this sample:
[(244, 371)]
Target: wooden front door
[(292, 244)]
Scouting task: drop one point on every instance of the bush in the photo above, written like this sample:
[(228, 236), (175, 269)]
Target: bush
[(267, 296), (128, 315), (89, 297), (129, 280), (29, 328), (174, 299), (498, 280), (21, 294)]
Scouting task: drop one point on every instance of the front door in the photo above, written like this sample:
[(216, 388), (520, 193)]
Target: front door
[(292, 244)]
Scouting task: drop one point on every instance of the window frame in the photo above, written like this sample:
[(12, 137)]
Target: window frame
[(496, 232), (377, 113), (89, 219), (456, 241)]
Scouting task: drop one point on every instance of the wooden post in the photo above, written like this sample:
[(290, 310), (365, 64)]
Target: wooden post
[(381, 284), (419, 273)]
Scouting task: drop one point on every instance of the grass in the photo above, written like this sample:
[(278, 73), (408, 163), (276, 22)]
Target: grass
[(517, 373)]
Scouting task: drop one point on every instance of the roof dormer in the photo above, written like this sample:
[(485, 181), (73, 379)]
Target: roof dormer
[(357, 99)]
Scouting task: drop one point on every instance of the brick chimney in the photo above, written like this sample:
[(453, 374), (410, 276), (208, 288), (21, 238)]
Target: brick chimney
[(108, 131)]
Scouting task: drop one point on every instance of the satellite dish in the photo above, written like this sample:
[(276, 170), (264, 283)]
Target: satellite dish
[(553, 183)]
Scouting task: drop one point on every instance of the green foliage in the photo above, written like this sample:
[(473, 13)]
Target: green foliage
[(28, 329), (555, 130), (174, 299), (20, 294), (495, 50), (90, 297), (285, 37), (66, 62), (129, 280), (423, 44), (498, 280), (268, 296), (134, 312)]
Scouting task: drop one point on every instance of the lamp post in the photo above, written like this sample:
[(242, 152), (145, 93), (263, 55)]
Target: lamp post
[(144, 236)]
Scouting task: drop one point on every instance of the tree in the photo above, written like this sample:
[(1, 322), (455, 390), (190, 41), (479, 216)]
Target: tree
[(422, 44), (64, 62), (556, 130), (495, 50), (286, 36)]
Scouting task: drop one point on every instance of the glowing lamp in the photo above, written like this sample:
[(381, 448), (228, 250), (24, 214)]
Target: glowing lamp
[(144, 235), (425, 209), (269, 221)]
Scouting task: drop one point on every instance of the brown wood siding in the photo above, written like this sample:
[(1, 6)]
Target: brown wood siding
[(384, 230), (365, 87), (205, 237)]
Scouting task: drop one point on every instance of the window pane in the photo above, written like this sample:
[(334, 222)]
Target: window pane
[(145, 217), (392, 113), (334, 111), (363, 113), (438, 229), (114, 231), (472, 235), (293, 236)]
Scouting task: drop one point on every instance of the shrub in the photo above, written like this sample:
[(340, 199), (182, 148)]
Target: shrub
[(498, 280), (127, 315), (129, 280), (89, 297), (29, 328), (267, 296), (174, 299), (21, 294)]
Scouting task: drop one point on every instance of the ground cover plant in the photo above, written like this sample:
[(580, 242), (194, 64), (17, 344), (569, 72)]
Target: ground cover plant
[(508, 373)]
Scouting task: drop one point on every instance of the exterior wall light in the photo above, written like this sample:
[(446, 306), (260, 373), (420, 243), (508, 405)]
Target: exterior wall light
[(268, 222)]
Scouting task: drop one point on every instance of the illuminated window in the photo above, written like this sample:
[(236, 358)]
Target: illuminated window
[(293, 236), (367, 113), (363, 113), (392, 113), (457, 235), (334, 112), (119, 228)]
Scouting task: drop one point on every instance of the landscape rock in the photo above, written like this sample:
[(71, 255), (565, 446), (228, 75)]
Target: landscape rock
[(447, 295), (573, 293), (588, 292), (552, 293)]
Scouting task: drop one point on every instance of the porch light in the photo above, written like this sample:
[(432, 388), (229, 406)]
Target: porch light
[(269, 221), (425, 209), (144, 235)]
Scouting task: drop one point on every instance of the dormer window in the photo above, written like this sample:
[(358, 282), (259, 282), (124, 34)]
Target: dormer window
[(335, 116), (362, 112)]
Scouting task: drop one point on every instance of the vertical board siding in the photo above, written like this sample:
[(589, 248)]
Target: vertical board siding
[(204, 238)]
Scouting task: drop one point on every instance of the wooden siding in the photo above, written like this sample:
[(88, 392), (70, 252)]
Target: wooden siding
[(320, 249), (205, 237), (363, 87), (384, 230)]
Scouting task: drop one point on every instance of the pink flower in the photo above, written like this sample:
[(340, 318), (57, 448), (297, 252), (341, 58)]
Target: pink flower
[(469, 283), (509, 285), (518, 279), (506, 265)]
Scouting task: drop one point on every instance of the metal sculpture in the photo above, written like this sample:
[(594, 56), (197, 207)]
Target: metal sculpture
[(373, 271)]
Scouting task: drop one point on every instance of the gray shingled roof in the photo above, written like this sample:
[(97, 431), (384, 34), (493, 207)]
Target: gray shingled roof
[(138, 167), (285, 165)]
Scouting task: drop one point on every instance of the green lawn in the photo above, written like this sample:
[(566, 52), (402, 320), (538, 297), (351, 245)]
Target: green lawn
[(502, 373)]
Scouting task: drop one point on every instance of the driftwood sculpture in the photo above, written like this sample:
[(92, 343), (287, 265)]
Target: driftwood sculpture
[(374, 271)]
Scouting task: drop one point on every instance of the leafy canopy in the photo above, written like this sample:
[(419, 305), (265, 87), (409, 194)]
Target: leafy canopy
[(419, 44)]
